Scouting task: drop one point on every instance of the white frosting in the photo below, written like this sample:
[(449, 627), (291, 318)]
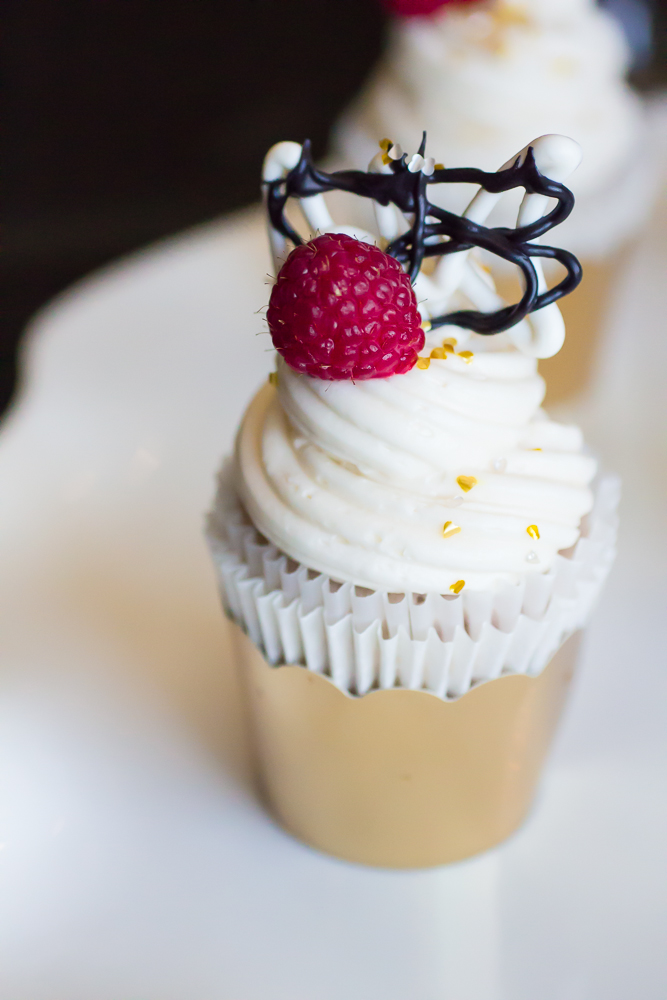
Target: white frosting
[(482, 78), (357, 480)]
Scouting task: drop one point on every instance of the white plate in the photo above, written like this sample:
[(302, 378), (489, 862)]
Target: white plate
[(137, 865)]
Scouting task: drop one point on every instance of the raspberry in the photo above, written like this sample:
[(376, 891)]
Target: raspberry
[(343, 309), (417, 8)]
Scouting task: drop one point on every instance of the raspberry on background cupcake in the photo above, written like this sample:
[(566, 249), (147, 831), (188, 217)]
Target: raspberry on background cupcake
[(418, 8)]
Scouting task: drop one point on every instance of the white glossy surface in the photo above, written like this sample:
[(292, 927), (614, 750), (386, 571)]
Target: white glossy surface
[(136, 865)]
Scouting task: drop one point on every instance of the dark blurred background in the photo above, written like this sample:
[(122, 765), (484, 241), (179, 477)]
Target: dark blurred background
[(126, 120)]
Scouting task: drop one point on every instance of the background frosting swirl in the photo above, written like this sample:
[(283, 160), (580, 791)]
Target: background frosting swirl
[(480, 78), (356, 480), (479, 81)]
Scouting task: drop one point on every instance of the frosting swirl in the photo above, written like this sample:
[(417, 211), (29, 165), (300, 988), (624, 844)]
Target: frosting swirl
[(358, 480)]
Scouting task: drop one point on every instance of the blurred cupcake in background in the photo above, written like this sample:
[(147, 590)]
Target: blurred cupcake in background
[(479, 76)]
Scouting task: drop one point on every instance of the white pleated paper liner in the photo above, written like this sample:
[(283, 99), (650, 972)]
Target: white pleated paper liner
[(366, 639)]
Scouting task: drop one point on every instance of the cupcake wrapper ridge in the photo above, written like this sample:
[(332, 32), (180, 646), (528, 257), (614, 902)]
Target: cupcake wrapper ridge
[(365, 639)]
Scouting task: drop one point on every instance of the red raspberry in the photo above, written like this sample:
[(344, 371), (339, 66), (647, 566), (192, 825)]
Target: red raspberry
[(417, 8), (343, 309)]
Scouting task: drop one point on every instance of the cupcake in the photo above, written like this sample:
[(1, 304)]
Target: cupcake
[(407, 546), (479, 76)]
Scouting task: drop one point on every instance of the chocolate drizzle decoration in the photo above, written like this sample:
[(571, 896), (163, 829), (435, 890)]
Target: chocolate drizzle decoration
[(435, 232)]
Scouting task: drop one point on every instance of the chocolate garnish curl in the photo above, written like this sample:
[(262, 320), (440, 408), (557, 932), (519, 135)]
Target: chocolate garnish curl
[(408, 191)]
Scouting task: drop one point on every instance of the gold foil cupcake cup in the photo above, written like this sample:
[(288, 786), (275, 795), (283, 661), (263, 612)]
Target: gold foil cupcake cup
[(400, 778), (586, 312)]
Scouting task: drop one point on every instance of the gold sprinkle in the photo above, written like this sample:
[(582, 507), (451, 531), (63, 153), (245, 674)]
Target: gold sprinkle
[(457, 587), (466, 483), (533, 531), (423, 363), (439, 353), (439, 166), (449, 529), (385, 145), (386, 159), (449, 342), (511, 13), (426, 325), (537, 449), (448, 349), (467, 356), (273, 378)]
